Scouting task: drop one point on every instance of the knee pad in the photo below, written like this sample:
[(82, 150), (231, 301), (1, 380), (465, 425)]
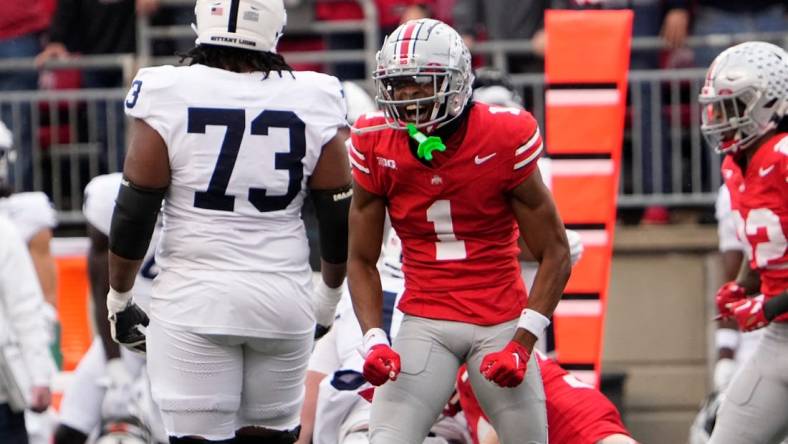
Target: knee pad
[(268, 436), (186, 440), (66, 435)]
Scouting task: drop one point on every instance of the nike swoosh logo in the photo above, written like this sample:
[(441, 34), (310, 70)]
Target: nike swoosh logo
[(480, 160), (764, 171)]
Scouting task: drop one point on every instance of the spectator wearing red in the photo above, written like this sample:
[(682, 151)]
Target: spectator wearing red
[(21, 25)]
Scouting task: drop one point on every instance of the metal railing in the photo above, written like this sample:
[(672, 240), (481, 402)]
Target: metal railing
[(66, 137)]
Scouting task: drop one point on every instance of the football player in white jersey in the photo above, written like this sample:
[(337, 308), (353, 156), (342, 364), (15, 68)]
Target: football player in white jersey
[(232, 143), (34, 218), (27, 367), (81, 408)]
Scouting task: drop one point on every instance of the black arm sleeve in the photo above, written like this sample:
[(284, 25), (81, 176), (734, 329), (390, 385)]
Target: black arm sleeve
[(133, 220), (776, 306), (332, 208)]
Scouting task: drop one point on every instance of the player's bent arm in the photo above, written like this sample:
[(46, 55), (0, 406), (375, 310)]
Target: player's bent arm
[(323, 362), (543, 231), (776, 306), (44, 264), (330, 190), (146, 176), (309, 407), (367, 215), (748, 278), (98, 273)]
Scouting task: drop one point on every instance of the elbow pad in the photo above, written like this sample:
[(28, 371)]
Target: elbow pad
[(133, 221), (332, 208)]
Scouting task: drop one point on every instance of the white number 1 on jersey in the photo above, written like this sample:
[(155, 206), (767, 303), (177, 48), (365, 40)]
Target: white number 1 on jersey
[(448, 246)]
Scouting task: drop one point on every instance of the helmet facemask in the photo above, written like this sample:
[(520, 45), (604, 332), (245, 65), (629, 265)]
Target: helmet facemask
[(7, 157), (727, 122), (420, 96)]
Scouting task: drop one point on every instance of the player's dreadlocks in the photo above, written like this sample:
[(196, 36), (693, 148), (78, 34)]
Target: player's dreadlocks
[(236, 59)]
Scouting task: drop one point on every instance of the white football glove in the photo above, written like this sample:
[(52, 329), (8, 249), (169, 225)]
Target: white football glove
[(127, 321), (575, 245)]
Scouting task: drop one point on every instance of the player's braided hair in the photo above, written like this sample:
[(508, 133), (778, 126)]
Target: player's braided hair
[(236, 59)]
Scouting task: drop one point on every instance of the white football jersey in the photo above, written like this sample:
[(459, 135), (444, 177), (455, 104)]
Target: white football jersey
[(241, 148), (30, 213), (99, 203), (726, 223)]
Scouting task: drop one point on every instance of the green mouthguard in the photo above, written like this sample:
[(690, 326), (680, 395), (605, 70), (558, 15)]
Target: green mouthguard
[(426, 144)]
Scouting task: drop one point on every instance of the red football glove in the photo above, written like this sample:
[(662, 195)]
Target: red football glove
[(728, 293), (381, 364), (748, 313), (506, 367)]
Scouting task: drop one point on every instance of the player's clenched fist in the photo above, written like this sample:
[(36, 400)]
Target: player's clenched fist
[(381, 362), (749, 313), (506, 367), (728, 293)]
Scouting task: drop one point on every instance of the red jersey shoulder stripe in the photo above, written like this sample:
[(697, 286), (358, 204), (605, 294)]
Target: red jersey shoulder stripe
[(529, 151), (357, 160)]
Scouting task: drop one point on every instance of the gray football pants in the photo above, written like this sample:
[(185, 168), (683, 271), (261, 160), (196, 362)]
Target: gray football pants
[(431, 352), (755, 409)]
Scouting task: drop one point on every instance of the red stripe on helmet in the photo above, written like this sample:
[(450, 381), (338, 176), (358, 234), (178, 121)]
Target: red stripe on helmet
[(405, 47)]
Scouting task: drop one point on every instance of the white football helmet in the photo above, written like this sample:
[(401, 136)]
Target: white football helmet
[(422, 52), (493, 87), (358, 101), (745, 95), (255, 25)]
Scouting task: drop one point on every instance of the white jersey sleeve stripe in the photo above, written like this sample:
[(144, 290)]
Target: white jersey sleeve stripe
[(531, 142), (354, 151), (528, 159), (358, 166)]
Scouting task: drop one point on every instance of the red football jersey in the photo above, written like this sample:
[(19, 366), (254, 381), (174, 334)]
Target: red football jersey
[(459, 235), (576, 412), (759, 200)]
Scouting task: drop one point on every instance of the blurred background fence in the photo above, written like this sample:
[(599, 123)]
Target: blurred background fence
[(66, 133)]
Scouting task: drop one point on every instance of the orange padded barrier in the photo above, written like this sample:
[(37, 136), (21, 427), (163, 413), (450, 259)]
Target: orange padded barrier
[(591, 272), (594, 129), (586, 63), (72, 307), (584, 199), (577, 338), (587, 46)]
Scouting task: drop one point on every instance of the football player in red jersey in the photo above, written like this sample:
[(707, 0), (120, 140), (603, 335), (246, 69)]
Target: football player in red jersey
[(743, 100), (457, 199), (576, 412)]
